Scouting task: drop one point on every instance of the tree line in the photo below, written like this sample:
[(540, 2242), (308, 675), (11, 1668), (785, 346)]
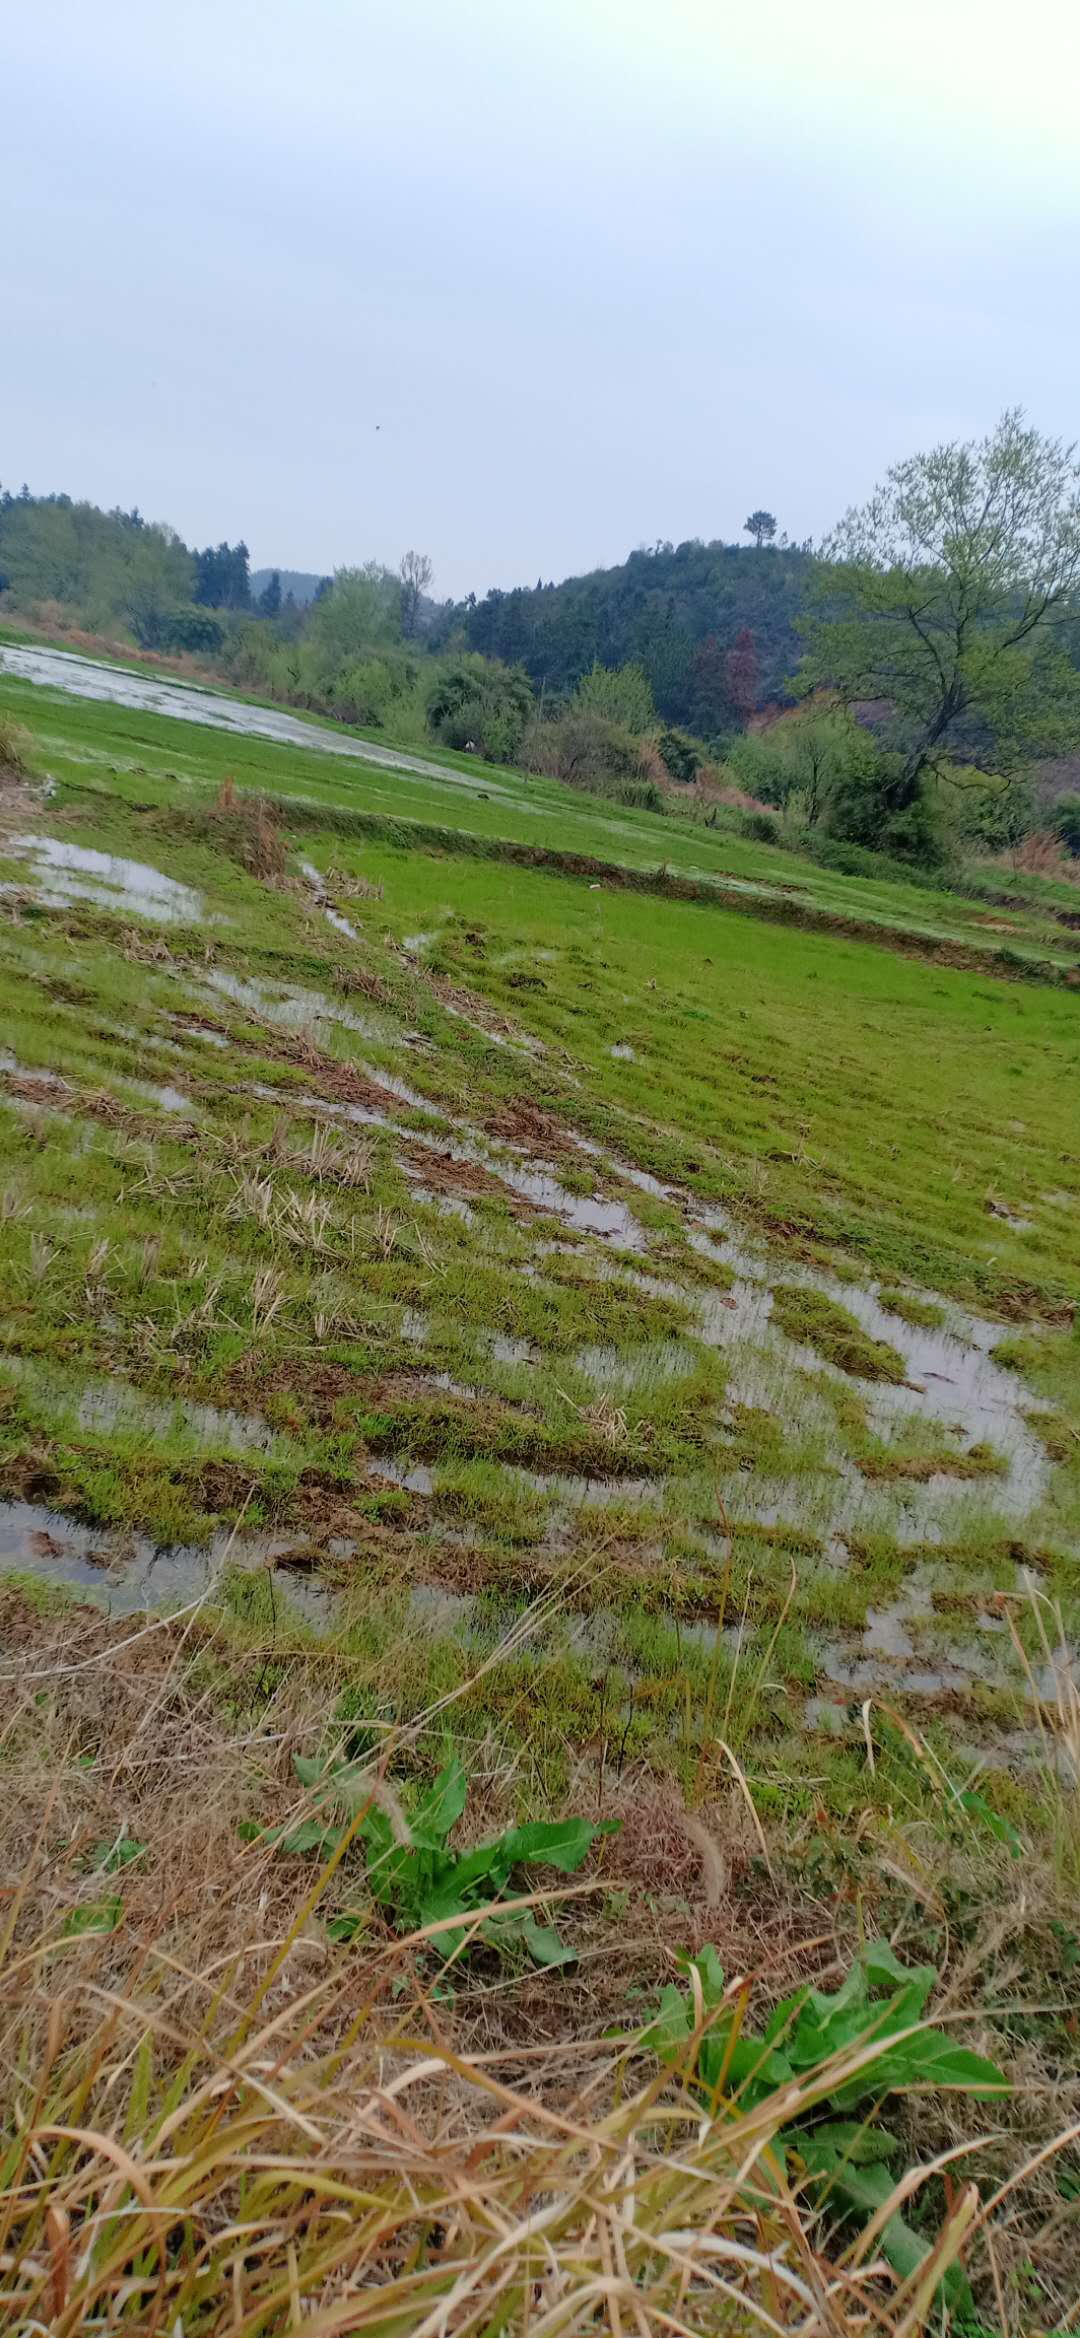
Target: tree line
[(891, 689)]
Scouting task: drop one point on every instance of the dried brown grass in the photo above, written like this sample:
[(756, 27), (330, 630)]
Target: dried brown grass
[(220, 2121), (247, 826), (1041, 854)]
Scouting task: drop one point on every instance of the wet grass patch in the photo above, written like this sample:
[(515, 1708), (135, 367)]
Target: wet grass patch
[(816, 1321)]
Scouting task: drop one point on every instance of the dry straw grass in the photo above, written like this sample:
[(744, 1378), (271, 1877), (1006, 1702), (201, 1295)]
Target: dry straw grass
[(247, 826), (218, 2122), (224, 2175), (1041, 854)]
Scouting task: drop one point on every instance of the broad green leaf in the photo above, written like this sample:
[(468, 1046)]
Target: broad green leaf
[(866, 2189), (749, 2069), (544, 1944), (351, 1923), (487, 1865), (310, 1835), (674, 2022), (930, 2058), (438, 1905), (843, 2140), (562, 1843), (884, 1970), (1000, 1827), (440, 1808), (349, 1783), (710, 1973)]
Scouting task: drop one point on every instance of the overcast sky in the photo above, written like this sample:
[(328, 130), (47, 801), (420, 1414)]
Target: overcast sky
[(525, 283)]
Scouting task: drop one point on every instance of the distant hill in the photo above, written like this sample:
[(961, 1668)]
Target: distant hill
[(676, 610), (298, 581)]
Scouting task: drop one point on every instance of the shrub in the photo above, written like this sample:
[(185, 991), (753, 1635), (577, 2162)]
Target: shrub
[(1044, 855), (761, 827), (477, 703), (582, 748), (14, 749), (682, 756), (198, 631), (621, 694), (581, 745), (362, 692), (988, 814)]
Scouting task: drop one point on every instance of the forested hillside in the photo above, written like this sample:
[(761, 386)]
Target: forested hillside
[(713, 626), (897, 692), (675, 610)]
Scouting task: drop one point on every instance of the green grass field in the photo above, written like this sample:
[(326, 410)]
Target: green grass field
[(633, 1335), (545, 1211)]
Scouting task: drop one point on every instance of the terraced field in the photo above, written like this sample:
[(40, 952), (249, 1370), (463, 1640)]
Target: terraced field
[(644, 1322)]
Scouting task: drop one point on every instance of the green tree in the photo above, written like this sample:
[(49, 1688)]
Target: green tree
[(359, 611), (942, 600), (761, 526), (269, 602), (621, 694), (416, 574), (222, 578)]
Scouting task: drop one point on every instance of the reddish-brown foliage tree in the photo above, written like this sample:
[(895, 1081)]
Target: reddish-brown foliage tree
[(742, 674)]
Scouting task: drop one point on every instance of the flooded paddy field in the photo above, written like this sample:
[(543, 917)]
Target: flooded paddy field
[(619, 1314)]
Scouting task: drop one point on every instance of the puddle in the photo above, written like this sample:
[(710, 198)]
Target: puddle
[(110, 1406), (530, 1181), (69, 872), (209, 1038), (39, 1073), (118, 1408), (438, 1611), (323, 902), (628, 1173), (588, 1212), (574, 1493), (400, 1088), (451, 1387), (622, 1053), (901, 1648), (448, 1205), (288, 1005), (127, 1574), (413, 1478), (952, 1377), (170, 1099)]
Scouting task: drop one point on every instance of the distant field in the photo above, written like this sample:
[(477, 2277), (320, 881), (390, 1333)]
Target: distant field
[(489, 802)]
